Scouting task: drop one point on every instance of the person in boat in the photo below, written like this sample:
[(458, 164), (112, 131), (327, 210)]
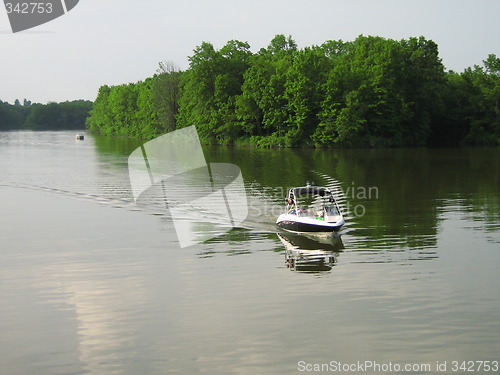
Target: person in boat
[(302, 210), (291, 203)]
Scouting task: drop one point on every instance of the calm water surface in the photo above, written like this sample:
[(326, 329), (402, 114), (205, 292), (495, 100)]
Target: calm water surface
[(92, 284)]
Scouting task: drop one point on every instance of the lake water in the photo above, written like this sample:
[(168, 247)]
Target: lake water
[(90, 283)]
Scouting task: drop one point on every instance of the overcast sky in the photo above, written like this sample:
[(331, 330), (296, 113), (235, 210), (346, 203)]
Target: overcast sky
[(120, 41)]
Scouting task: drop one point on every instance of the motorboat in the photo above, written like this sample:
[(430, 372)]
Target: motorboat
[(79, 137), (311, 209)]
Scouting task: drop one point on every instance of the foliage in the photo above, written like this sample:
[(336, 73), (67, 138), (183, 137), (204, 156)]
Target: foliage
[(210, 91), (12, 116), (381, 92), (141, 110), (51, 116), (165, 92), (371, 92)]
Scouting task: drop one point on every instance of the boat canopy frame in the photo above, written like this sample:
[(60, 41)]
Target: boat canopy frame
[(296, 192), (309, 190)]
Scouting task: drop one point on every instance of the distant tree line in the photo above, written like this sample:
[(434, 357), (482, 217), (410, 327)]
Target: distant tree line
[(51, 116), (370, 92)]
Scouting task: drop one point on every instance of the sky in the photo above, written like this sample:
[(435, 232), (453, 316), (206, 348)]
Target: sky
[(120, 41)]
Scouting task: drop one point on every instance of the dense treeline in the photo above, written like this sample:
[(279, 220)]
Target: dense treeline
[(51, 116), (369, 92)]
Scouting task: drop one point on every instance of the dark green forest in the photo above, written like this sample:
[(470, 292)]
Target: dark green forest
[(51, 116), (371, 92)]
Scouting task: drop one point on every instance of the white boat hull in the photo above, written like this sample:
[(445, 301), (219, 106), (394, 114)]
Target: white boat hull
[(294, 223)]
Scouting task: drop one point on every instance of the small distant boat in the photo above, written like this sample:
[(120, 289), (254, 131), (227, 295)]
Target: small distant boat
[(79, 137), (311, 209)]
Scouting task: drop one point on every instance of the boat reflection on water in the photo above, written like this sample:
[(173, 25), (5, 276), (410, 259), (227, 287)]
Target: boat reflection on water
[(311, 253)]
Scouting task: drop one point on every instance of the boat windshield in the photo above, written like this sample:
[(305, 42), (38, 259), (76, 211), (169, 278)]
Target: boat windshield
[(332, 210), (316, 212)]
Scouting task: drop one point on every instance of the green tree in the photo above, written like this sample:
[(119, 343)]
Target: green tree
[(305, 91), (122, 103), (197, 104), (485, 125), (58, 116), (144, 123), (460, 107), (11, 117), (228, 88), (165, 91), (210, 88), (100, 119), (380, 92), (264, 102), (423, 81)]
